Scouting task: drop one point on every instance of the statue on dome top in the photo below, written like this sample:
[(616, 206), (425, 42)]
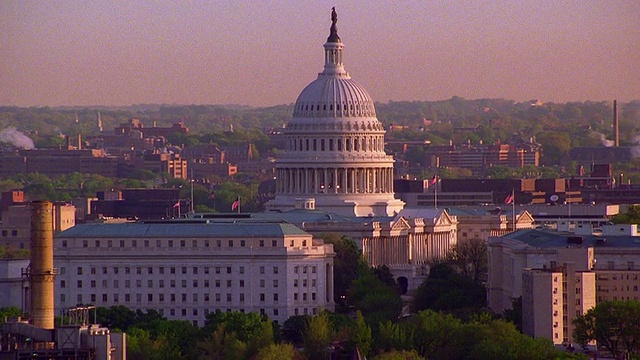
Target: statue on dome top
[(333, 35)]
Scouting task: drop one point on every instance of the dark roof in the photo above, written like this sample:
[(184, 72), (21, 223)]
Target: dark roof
[(553, 239)]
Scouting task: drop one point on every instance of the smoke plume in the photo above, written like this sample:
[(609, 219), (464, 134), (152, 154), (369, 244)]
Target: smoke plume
[(604, 141), (635, 149), (12, 136)]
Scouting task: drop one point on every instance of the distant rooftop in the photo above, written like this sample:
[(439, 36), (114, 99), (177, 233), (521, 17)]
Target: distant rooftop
[(554, 239)]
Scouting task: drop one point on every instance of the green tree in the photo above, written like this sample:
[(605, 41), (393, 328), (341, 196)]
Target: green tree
[(392, 336), (246, 326), (9, 312), (454, 173), (470, 259), (294, 328), (117, 317), (377, 301), (221, 345), (348, 264), (317, 337), (500, 172), (415, 155), (433, 333), (360, 336), (446, 290), (277, 352), (9, 184), (501, 340), (179, 139), (141, 346), (262, 340), (383, 273), (615, 325), (181, 334), (631, 216), (229, 191), (399, 355), (555, 146)]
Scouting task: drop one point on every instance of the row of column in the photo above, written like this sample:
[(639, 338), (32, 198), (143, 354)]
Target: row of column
[(405, 249), (334, 180)]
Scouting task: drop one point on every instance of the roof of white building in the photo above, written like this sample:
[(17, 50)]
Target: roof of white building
[(182, 228)]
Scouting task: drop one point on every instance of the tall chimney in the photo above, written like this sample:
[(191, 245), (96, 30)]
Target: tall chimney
[(42, 273), (616, 128)]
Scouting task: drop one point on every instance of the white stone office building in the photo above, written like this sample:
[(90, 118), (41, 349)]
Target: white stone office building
[(185, 269)]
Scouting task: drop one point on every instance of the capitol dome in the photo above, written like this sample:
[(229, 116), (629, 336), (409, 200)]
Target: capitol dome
[(335, 146), (331, 96)]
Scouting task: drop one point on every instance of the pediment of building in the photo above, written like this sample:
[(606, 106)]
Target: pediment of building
[(401, 224), (524, 218), (444, 219)]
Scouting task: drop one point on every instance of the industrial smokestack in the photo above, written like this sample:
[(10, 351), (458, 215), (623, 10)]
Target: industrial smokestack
[(42, 273), (616, 128)]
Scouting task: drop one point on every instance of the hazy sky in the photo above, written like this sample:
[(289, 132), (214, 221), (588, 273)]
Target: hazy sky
[(265, 52)]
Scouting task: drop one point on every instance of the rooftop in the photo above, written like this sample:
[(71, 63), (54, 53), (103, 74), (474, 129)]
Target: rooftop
[(553, 239), (183, 228)]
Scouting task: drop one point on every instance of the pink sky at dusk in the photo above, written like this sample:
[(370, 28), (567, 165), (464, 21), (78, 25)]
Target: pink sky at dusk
[(265, 52)]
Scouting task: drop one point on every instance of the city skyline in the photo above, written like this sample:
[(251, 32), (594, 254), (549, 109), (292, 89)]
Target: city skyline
[(116, 54)]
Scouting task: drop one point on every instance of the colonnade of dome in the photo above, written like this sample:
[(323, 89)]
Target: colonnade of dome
[(334, 180)]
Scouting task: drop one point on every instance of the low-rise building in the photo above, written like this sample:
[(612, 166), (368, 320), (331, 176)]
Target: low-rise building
[(187, 268)]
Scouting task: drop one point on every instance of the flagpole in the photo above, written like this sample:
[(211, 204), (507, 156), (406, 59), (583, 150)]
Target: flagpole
[(191, 207), (513, 207), (435, 194)]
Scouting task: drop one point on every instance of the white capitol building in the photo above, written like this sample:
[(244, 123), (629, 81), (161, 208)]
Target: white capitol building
[(335, 154)]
